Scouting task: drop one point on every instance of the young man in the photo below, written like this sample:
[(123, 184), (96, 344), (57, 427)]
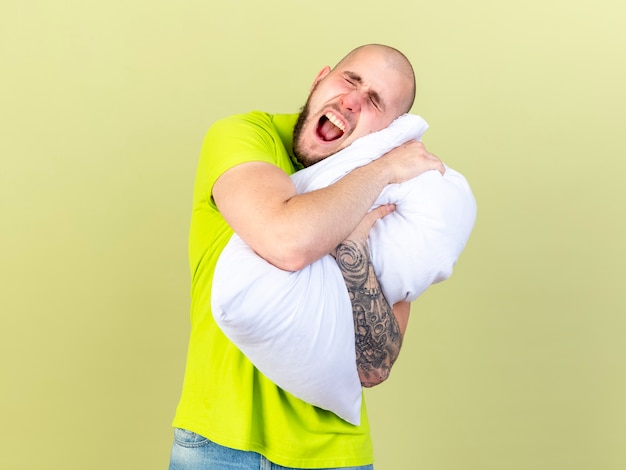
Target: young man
[(229, 412)]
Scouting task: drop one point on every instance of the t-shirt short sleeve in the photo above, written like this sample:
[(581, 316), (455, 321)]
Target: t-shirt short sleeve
[(239, 139)]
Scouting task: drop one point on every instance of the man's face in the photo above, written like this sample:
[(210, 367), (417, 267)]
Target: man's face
[(361, 95)]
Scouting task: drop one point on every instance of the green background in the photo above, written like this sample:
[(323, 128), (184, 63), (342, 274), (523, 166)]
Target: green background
[(517, 362)]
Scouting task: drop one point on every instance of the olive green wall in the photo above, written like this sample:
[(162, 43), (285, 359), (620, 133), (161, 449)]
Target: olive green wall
[(517, 362)]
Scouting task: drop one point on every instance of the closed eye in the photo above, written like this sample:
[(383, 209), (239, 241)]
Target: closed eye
[(355, 80)]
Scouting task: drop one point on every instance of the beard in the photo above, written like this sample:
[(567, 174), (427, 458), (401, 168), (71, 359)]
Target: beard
[(297, 133)]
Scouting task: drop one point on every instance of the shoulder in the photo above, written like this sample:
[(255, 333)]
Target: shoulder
[(256, 131), (256, 123), (241, 131), (254, 120)]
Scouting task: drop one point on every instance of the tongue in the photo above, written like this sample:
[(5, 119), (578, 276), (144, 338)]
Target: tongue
[(328, 131)]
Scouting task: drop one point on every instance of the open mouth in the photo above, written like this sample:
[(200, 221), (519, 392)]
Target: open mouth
[(330, 127)]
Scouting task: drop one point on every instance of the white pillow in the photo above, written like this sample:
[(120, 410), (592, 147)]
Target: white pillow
[(297, 327)]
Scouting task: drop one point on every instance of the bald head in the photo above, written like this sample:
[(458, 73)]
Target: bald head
[(394, 59)]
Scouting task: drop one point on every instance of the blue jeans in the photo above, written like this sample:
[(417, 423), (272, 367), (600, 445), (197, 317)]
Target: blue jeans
[(191, 451)]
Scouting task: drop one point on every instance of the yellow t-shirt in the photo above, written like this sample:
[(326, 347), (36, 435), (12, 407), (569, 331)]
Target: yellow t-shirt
[(225, 398)]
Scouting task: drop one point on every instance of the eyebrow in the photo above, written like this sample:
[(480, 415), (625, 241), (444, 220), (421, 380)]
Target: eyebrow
[(372, 93)]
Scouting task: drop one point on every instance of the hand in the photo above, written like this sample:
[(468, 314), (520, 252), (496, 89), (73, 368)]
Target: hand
[(362, 231), (410, 160)]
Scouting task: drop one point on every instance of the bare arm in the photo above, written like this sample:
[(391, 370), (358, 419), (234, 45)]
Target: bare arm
[(259, 201), (378, 328)]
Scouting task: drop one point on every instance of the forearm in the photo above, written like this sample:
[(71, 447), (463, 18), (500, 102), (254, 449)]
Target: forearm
[(330, 214), (292, 230), (378, 336), (259, 201)]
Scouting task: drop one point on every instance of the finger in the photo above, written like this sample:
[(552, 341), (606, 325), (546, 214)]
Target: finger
[(441, 167), (371, 217), (380, 212), (437, 163), (362, 230)]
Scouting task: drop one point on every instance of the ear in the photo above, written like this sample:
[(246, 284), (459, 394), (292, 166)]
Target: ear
[(322, 73)]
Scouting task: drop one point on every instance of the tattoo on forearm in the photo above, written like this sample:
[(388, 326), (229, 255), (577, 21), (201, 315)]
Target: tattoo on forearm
[(377, 334)]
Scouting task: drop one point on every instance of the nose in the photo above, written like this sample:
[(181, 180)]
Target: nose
[(352, 101)]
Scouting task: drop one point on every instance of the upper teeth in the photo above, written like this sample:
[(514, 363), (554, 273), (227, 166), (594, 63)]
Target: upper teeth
[(335, 120)]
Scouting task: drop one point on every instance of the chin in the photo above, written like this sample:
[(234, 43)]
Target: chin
[(309, 155)]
